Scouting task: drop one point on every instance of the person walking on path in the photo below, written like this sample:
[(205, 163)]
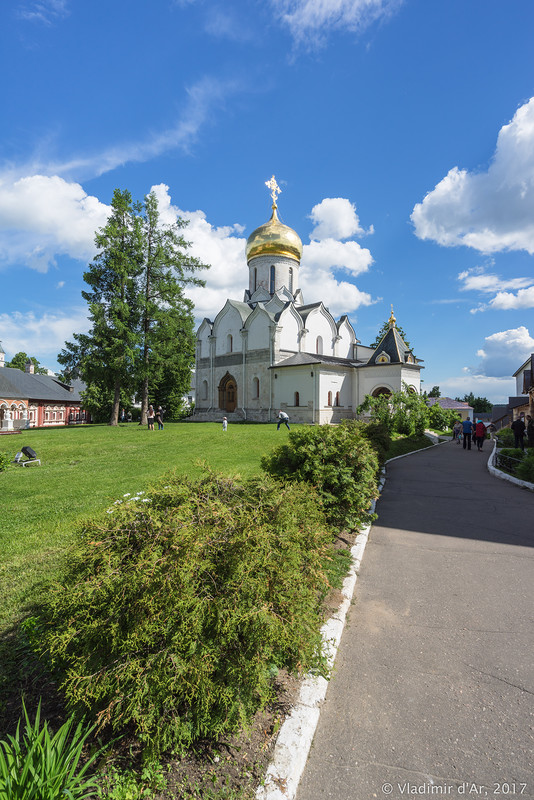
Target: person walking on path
[(159, 418), (150, 418), (518, 427), (467, 429), (492, 431), (481, 434), (530, 430), (283, 418), (457, 431)]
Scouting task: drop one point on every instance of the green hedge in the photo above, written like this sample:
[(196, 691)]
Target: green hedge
[(338, 461), (179, 606)]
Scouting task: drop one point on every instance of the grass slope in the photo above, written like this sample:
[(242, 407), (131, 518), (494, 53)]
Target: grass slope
[(84, 470)]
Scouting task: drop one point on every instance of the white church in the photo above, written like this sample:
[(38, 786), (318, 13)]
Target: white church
[(272, 351)]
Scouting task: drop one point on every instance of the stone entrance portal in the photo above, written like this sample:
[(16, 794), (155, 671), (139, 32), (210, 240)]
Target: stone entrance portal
[(228, 393)]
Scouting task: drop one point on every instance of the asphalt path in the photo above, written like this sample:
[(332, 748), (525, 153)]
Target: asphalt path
[(432, 691)]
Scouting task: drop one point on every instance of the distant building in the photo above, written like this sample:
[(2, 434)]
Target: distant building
[(28, 400), (464, 410)]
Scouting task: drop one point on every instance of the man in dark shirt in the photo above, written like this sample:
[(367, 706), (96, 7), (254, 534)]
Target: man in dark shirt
[(518, 427)]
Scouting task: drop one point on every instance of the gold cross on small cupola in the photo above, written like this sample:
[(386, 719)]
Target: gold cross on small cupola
[(275, 190), (392, 319)]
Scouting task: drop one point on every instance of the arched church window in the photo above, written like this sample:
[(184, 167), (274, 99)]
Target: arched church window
[(229, 343), (255, 278), (337, 398), (271, 280), (291, 279), (319, 345), (329, 398), (256, 388), (297, 399), (204, 390)]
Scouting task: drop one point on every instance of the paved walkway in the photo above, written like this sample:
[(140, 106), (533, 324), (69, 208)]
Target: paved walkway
[(432, 693)]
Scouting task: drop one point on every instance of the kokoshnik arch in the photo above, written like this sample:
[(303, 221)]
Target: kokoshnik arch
[(273, 351)]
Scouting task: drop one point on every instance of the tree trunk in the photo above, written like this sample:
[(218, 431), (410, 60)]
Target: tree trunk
[(116, 404), (144, 400)]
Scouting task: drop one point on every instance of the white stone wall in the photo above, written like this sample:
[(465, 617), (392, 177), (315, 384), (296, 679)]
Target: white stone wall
[(258, 331), (345, 344), (318, 323), (228, 324)]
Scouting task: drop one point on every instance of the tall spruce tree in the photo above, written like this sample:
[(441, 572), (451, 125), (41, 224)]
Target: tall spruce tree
[(142, 338), (167, 351), (105, 357)]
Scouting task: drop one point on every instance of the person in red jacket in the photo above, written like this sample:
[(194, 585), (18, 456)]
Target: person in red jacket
[(480, 434)]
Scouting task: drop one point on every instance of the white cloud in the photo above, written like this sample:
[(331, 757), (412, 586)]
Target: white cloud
[(497, 390), (331, 253), (489, 211), (310, 21), (503, 352), (335, 218), (42, 217), (41, 336), (45, 11), (476, 279), (506, 300)]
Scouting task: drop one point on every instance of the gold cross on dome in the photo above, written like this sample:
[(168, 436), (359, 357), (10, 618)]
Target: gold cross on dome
[(275, 189)]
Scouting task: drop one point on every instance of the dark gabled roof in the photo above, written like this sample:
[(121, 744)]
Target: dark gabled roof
[(300, 359), (448, 403), (498, 412), (17, 384), (515, 402), (393, 345)]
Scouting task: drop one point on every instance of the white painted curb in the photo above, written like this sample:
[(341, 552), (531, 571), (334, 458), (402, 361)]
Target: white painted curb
[(497, 473), (296, 734)]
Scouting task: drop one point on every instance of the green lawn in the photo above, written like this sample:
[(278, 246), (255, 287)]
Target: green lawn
[(83, 470)]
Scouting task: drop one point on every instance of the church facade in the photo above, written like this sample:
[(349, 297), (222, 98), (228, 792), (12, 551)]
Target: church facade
[(272, 351)]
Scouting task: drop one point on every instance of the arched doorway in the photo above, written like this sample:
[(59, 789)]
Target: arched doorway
[(380, 390), (228, 393)]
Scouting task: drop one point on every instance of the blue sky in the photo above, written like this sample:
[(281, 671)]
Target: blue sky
[(400, 131)]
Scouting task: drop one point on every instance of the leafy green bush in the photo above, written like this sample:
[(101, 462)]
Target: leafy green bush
[(4, 461), (441, 419), (506, 438), (178, 607), (508, 458), (338, 461), (525, 470), (378, 436), (45, 766)]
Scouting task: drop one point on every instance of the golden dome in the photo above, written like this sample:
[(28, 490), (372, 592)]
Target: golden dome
[(274, 238)]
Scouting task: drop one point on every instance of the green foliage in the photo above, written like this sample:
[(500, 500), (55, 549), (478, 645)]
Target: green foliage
[(128, 784), (478, 404), (441, 419), (46, 766), (384, 329), (434, 392), (506, 438), (525, 470), (176, 606), (19, 361), (508, 458), (400, 412), (338, 461), (5, 461), (379, 437)]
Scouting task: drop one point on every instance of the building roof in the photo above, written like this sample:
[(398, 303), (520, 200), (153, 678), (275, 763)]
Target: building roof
[(300, 359), (449, 404), (15, 384), (393, 345)]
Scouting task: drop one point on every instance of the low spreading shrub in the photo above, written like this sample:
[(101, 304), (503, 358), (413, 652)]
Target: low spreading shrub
[(44, 765), (506, 438), (509, 458), (525, 470), (178, 607), (338, 461), (4, 461)]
